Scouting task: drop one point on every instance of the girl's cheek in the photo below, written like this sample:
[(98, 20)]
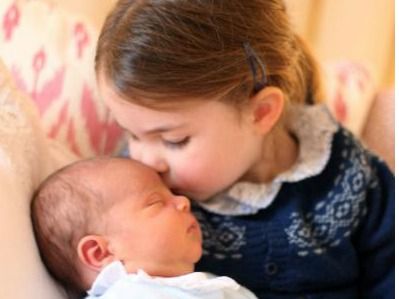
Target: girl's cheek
[(191, 164), (196, 172)]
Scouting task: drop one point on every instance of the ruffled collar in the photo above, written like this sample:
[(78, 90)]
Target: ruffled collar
[(197, 281), (314, 128)]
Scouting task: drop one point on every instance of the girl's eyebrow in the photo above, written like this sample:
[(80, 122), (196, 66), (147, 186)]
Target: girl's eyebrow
[(162, 129), (157, 130)]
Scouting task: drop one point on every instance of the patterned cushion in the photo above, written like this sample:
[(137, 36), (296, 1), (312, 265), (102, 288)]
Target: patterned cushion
[(50, 54), (350, 93)]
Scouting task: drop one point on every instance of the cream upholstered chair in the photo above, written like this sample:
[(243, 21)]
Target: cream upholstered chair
[(51, 114)]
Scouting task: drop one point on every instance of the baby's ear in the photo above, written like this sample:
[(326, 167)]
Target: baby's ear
[(266, 107), (93, 252)]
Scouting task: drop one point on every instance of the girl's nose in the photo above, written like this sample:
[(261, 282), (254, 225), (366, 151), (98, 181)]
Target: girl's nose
[(159, 165), (151, 159), (182, 203)]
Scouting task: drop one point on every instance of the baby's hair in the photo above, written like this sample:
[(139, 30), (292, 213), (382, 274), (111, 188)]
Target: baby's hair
[(65, 208), (164, 51)]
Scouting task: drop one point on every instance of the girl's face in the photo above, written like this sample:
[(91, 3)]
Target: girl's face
[(199, 148)]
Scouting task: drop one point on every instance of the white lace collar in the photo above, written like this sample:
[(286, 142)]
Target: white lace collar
[(314, 127), (196, 281)]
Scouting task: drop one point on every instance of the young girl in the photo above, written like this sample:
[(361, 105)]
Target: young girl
[(220, 97)]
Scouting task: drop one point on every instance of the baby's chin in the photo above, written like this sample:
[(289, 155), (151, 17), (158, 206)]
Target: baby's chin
[(196, 249), (198, 254)]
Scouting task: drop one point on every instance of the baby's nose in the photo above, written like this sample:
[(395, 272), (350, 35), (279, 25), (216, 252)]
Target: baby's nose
[(182, 203)]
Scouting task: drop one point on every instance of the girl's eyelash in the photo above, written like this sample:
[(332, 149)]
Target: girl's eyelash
[(132, 137), (177, 144)]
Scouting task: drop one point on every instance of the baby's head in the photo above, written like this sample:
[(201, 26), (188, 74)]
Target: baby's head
[(96, 211)]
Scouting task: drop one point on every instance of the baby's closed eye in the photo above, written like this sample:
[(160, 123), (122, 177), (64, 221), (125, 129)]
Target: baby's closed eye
[(155, 199)]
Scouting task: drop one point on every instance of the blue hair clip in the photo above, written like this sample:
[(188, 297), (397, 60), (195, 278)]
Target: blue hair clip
[(254, 63)]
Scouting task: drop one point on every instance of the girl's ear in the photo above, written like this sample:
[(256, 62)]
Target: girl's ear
[(266, 107), (93, 252)]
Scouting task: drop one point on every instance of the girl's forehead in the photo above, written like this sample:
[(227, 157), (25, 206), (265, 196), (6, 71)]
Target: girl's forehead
[(162, 104), (150, 119), (179, 113)]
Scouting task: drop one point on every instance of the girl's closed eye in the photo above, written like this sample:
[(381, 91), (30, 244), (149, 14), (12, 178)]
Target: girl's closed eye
[(131, 136), (178, 143)]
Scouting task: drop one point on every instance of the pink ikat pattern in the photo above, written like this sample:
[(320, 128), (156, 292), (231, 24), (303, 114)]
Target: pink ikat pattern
[(10, 21), (81, 38)]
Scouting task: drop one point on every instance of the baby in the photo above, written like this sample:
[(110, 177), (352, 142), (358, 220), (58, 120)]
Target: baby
[(110, 226)]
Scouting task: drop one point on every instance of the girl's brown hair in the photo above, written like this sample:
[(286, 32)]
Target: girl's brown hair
[(153, 50)]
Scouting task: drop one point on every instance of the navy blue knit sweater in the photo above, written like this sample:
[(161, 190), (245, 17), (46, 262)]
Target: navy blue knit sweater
[(326, 236)]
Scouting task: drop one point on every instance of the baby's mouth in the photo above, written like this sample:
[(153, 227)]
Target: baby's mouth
[(193, 227)]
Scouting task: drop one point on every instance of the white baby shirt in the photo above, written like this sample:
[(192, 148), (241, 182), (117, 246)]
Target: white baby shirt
[(114, 282)]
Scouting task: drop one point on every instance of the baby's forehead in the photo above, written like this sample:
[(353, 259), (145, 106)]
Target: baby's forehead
[(118, 176)]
